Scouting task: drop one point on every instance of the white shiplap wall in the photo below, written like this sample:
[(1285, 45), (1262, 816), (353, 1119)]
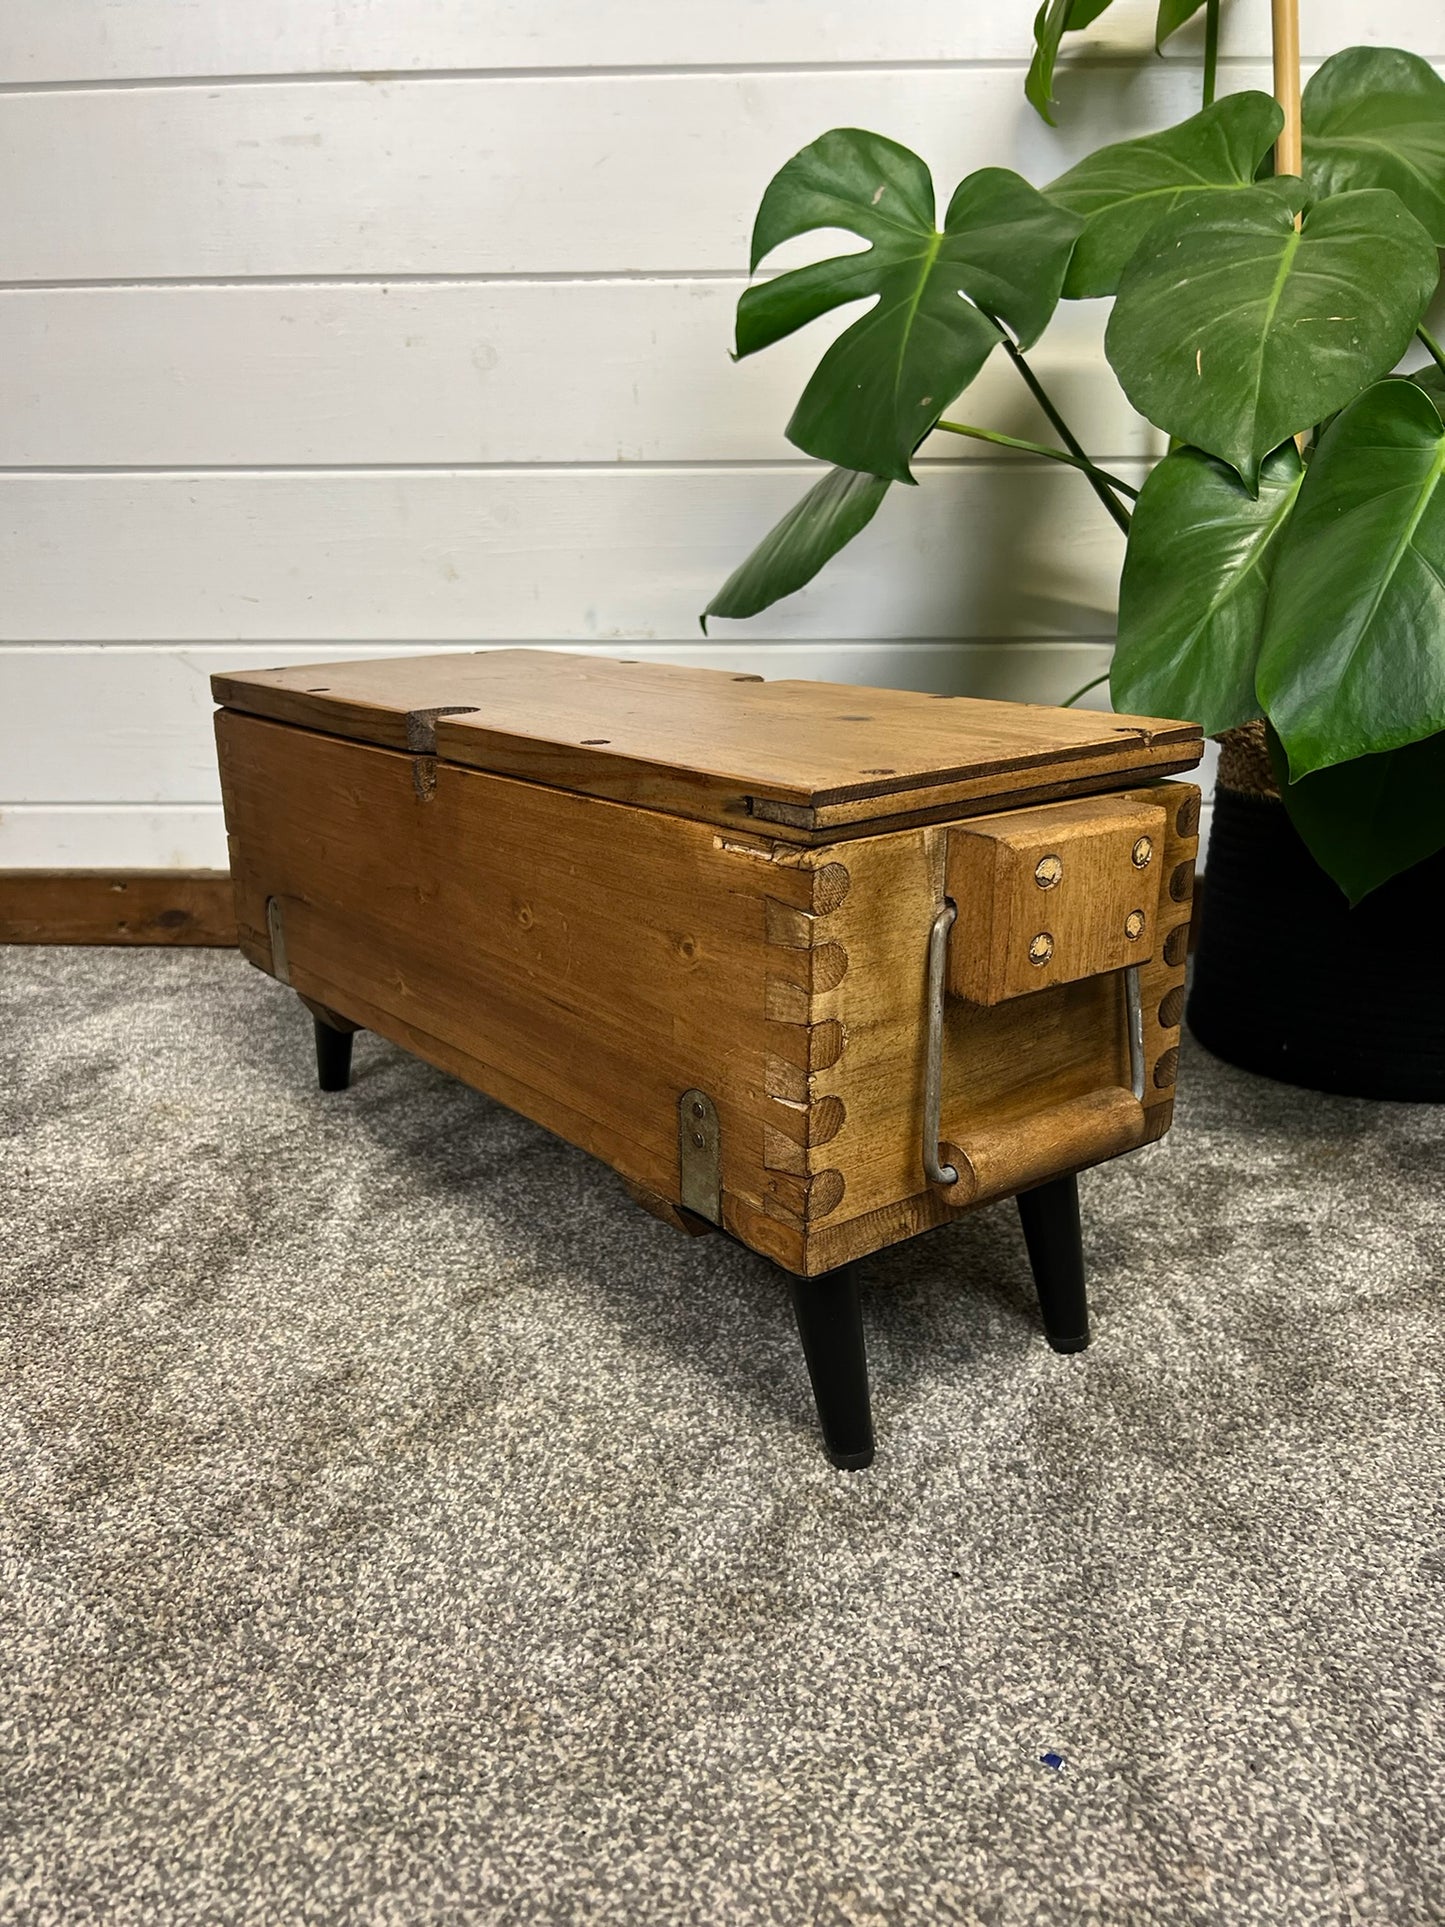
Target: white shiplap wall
[(341, 326)]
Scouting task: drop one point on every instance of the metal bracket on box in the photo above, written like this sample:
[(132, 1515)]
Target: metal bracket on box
[(933, 1169), (698, 1155)]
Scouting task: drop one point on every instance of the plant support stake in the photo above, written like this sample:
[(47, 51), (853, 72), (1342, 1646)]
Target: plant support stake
[(1284, 23)]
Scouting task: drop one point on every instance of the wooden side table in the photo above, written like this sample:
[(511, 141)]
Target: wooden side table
[(817, 966)]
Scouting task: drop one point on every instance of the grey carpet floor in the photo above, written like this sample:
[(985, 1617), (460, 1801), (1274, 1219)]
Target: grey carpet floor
[(399, 1527)]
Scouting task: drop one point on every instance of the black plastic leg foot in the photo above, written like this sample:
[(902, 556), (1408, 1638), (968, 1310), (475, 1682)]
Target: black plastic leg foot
[(830, 1324), (1050, 1217), (333, 1056)]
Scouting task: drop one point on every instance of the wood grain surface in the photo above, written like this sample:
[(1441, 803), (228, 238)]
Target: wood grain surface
[(582, 962), (116, 907), (1049, 895), (587, 962), (719, 747)]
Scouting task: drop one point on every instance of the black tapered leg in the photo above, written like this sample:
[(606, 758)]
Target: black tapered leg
[(1050, 1217), (830, 1323), (333, 1056)]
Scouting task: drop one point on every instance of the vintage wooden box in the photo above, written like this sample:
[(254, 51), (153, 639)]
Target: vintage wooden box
[(820, 965)]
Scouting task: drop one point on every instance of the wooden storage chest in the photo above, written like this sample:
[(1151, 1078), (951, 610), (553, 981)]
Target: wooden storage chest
[(742, 940)]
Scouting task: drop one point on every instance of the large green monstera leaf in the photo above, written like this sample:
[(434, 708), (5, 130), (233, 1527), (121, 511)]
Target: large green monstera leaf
[(1375, 117), (884, 383), (1196, 577), (1366, 821), (1233, 330), (1353, 657), (1121, 191), (810, 534)]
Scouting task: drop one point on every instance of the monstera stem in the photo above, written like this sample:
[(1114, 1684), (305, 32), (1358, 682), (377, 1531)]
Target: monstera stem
[(1437, 353), (1080, 462), (1066, 435), (1211, 50), (1069, 701)]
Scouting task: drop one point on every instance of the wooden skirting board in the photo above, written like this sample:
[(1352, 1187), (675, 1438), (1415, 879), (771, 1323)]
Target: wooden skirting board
[(193, 907)]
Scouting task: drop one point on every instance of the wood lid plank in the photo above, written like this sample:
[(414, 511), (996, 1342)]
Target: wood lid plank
[(811, 760)]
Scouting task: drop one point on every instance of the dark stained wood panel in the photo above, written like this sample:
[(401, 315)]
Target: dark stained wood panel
[(117, 906)]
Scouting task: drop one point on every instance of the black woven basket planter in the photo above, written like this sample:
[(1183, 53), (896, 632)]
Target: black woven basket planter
[(1290, 982)]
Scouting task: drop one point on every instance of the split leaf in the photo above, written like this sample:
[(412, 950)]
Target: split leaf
[(884, 383)]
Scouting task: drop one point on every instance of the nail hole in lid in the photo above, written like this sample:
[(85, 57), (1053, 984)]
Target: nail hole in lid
[(595, 742), (320, 690)]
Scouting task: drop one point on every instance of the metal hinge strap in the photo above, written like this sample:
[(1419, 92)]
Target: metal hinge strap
[(699, 1156)]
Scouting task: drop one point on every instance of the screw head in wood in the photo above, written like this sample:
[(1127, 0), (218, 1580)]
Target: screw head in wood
[(1142, 851), (1134, 925), (1047, 871), (697, 1109), (1041, 949)]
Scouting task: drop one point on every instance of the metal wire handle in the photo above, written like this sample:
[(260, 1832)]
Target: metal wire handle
[(1134, 1010), (943, 922), (935, 1172)]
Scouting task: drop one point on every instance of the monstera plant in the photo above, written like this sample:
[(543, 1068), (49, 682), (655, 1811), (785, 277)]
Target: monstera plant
[(1286, 558)]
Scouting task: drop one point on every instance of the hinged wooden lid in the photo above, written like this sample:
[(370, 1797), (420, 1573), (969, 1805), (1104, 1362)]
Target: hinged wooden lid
[(812, 761)]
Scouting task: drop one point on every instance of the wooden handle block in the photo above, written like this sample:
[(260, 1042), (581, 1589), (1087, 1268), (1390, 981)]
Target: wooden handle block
[(1049, 895), (1011, 1157)]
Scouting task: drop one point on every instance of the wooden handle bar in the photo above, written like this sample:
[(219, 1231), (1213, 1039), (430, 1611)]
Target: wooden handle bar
[(1011, 1157)]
